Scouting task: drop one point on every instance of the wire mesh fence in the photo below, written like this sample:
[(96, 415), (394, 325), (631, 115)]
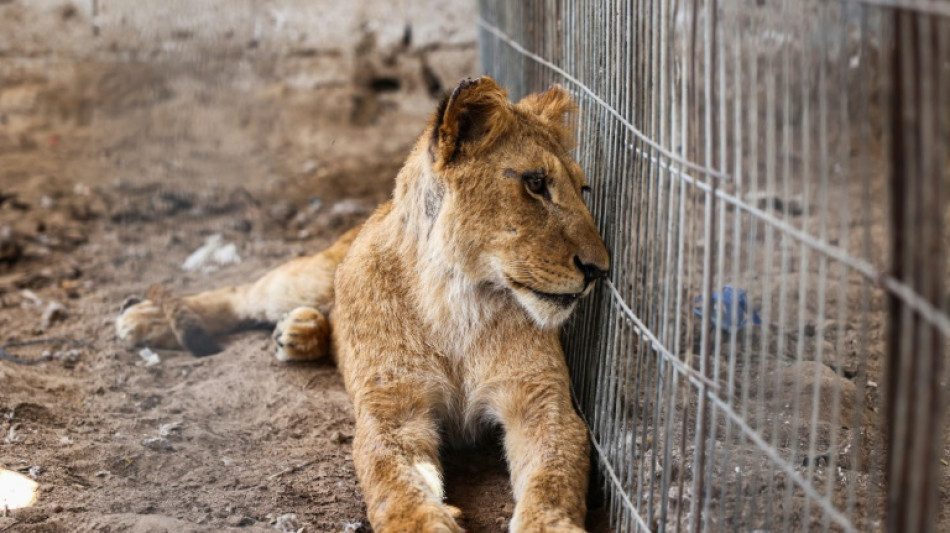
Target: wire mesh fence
[(770, 178)]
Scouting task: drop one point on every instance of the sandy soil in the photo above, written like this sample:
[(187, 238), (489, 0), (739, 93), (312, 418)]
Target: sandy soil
[(106, 187)]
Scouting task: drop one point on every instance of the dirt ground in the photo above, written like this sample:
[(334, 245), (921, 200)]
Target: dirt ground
[(106, 186)]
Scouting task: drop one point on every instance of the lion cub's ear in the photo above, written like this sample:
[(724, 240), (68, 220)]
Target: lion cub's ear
[(470, 120), (556, 107)]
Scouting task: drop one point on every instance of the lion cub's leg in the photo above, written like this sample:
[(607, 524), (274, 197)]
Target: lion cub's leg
[(395, 451), (547, 448), (301, 335), (165, 320), (169, 321)]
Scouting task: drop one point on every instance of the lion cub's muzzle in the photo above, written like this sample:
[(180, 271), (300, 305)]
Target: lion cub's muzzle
[(591, 274), (551, 297), (591, 271)]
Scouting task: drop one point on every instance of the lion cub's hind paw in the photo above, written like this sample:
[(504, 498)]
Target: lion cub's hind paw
[(302, 335), (143, 323)]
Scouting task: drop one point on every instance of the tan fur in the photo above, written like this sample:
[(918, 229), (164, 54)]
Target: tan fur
[(437, 327)]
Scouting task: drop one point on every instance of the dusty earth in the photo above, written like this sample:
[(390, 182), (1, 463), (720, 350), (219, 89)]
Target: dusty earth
[(106, 186)]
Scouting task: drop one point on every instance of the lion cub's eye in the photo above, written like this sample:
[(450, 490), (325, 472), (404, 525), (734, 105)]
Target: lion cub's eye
[(536, 182)]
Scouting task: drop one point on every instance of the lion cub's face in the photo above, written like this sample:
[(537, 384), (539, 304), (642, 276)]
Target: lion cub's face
[(517, 198)]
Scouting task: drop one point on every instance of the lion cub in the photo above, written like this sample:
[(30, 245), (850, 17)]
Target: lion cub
[(446, 307)]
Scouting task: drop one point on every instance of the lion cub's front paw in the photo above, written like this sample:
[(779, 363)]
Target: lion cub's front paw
[(302, 334), (537, 521), (144, 323), (429, 518)]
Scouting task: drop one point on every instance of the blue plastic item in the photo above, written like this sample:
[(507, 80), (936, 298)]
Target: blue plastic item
[(722, 312)]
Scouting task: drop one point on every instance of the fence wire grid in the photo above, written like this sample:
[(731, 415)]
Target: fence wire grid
[(770, 177)]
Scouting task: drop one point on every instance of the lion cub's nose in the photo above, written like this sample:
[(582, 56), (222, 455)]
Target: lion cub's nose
[(591, 272)]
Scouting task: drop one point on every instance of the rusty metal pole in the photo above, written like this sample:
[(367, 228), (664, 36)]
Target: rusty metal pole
[(918, 109)]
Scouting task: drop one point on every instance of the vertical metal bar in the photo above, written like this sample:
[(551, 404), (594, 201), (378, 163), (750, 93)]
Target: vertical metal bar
[(682, 331), (804, 266), (737, 83), (915, 348), (702, 420), (665, 104), (843, 207)]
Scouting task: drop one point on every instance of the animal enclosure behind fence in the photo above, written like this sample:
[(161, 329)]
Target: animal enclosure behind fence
[(770, 179)]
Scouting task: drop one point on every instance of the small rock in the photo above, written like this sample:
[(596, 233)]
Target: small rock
[(70, 287), (242, 224), (308, 166), (11, 246), (338, 437), (281, 212), (239, 520)]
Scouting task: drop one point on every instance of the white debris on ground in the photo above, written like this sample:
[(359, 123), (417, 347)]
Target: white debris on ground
[(353, 527), (149, 357), (54, 311), (66, 356), (30, 296), (16, 490), (159, 444), (351, 206), (11, 435), (287, 523), (162, 443), (167, 429), (214, 254)]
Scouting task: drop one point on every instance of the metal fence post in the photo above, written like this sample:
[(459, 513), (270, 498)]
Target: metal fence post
[(915, 345)]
